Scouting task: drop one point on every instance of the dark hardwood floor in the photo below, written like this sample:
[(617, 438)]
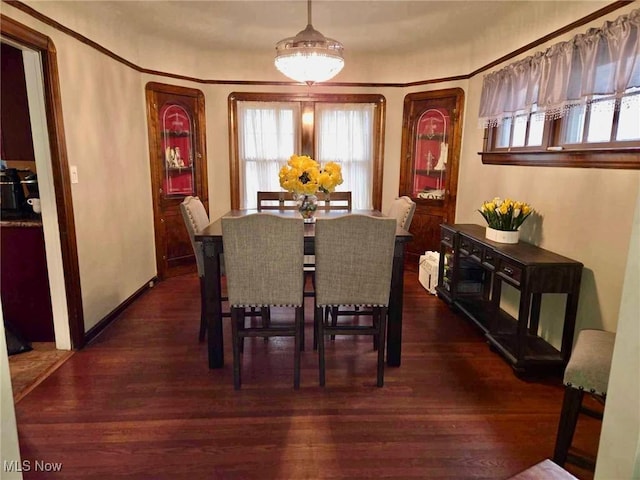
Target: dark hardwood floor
[(140, 403)]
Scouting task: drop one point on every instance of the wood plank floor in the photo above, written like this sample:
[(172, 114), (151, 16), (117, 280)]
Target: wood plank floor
[(140, 403), (28, 369)]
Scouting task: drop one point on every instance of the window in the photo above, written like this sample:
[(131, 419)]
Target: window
[(576, 104), (266, 129)]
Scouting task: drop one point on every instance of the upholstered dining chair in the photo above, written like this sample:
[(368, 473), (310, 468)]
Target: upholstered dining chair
[(263, 260), (402, 209), (195, 219), (354, 259)]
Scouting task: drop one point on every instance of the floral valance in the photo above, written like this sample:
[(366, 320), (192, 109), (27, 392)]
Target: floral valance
[(602, 61)]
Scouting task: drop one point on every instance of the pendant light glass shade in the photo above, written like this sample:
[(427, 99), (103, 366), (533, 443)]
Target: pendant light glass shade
[(309, 56)]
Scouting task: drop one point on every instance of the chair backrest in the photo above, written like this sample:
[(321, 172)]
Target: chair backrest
[(263, 256), (354, 259), (402, 209), (334, 201), (276, 201), (195, 219)]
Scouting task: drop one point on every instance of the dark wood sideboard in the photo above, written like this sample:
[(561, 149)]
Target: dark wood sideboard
[(471, 273)]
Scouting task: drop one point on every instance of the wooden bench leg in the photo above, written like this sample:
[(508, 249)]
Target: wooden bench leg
[(571, 405)]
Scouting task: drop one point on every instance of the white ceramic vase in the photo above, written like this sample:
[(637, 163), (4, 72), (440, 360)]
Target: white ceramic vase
[(502, 236)]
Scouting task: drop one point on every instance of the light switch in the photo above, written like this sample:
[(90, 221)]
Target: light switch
[(74, 173)]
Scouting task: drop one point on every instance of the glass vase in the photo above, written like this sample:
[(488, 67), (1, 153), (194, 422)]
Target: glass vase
[(307, 206)]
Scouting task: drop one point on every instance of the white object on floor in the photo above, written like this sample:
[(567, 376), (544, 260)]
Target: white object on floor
[(428, 271)]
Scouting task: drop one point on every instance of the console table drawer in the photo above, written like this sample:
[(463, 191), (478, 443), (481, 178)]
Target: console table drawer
[(489, 258), (471, 248), (510, 271), (447, 235)]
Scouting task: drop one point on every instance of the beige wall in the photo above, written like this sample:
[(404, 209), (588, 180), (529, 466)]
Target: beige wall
[(106, 137), (585, 214), (619, 450)]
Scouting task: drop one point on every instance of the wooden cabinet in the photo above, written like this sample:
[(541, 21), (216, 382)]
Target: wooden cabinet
[(24, 280), (472, 272), (15, 125), (176, 120), (431, 132)]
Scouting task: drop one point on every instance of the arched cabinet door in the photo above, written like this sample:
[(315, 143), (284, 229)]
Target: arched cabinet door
[(431, 135), (178, 169)]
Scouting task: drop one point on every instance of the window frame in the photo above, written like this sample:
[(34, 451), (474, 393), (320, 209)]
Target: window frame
[(553, 152), (307, 104)]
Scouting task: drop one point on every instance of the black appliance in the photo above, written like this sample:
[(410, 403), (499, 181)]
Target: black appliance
[(31, 182), (12, 194)]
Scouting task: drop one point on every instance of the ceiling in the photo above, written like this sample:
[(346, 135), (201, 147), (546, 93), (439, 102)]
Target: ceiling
[(381, 26)]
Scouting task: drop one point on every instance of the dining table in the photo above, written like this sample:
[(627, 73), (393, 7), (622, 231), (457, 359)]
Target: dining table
[(210, 239)]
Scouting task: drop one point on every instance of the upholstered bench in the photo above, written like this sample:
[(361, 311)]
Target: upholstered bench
[(587, 372), (545, 470)]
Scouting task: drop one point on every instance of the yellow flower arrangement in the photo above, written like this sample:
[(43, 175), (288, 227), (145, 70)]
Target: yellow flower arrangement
[(505, 214), (303, 175)]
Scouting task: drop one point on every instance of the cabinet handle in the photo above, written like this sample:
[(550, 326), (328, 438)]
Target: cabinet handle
[(488, 257), (508, 271), (447, 239)]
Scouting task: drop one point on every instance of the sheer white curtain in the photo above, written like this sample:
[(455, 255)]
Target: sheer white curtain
[(344, 134), (602, 61), (267, 137)]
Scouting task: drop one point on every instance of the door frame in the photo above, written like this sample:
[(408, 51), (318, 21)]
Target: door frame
[(43, 45), (156, 158)]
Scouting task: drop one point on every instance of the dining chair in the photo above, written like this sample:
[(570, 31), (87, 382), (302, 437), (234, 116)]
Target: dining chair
[(354, 260), (402, 209), (334, 201), (195, 219), (276, 201), (263, 259)]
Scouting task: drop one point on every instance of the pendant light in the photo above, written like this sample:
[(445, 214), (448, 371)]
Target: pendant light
[(309, 57)]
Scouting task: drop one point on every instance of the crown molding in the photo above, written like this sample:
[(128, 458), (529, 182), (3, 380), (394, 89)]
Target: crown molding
[(87, 41)]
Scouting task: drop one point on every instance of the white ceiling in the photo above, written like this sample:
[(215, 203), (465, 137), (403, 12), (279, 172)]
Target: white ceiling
[(362, 26)]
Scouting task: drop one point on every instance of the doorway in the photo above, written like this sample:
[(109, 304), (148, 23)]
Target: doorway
[(177, 149), (45, 113)]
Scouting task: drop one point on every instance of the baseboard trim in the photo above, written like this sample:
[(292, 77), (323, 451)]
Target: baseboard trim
[(91, 334)]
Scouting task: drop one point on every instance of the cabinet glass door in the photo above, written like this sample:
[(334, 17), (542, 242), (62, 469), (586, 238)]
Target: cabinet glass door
[(431, 154), (178, 148)]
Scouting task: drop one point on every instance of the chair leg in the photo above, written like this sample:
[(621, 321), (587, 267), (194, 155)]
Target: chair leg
[(376, 337), (301, 330), (320, 326), (265, 314), (334, 319), (203, 320), (382, 329), (298, 347), (567, 425), (237, 315)]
